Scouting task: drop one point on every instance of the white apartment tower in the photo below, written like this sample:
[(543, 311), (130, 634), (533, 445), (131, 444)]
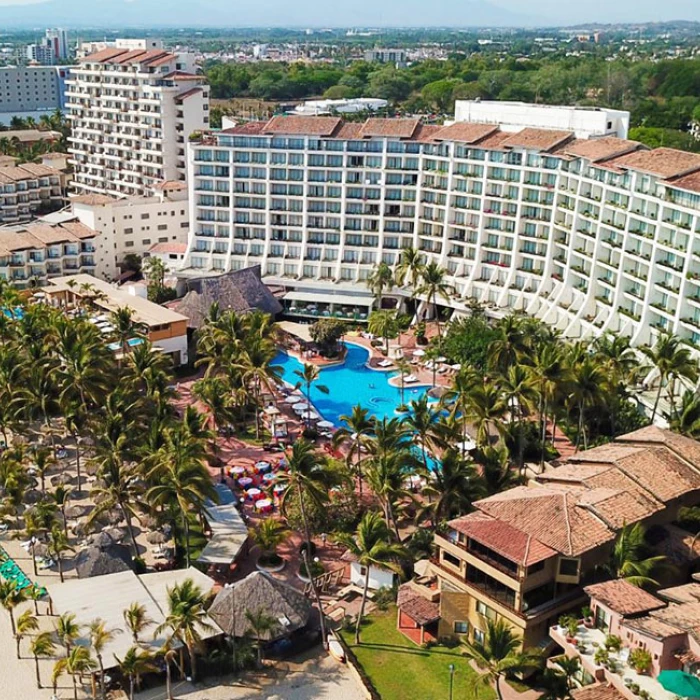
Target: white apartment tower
[(131, 113), (588, 234), (58, 40)]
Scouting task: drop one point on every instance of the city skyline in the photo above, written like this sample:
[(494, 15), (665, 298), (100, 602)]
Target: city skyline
[(410, 13)]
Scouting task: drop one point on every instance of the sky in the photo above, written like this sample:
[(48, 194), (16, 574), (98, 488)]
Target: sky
[(318, 13)]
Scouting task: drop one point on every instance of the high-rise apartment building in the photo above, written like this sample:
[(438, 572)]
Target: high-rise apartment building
[(30, 91), (131, 113), (589, 235), (41, 53), (58, 40)]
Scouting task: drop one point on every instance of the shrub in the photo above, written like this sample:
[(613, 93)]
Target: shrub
[(613, 642), (586, 613), (384, 597), (326, 333), (601, 656), (640, 660)]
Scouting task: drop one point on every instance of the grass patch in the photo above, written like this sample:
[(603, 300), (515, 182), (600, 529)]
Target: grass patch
[(399, 669)]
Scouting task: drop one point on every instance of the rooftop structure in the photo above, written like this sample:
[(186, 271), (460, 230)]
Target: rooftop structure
[(587, 234), (349, 106), (585, 122), (131, 111)]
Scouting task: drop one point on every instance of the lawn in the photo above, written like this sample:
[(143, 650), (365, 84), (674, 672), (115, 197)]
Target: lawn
[(399, 669)]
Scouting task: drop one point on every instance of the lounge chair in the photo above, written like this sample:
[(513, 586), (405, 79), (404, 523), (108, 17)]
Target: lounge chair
[(385, 363), (410, 379)]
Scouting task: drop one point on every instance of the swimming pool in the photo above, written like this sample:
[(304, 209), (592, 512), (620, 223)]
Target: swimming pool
[(349, 384)]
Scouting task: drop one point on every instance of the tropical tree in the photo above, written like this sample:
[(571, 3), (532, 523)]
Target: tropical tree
[(186, 618), (354, 429), (629, 560), (10, 597), (136, 620), (434, 285), (58, 544), (26, 623), (41, 646), (500, 655), (672, 362), (135, 663), (371, 545), (260, 624), (67, 630), (309, 377), (77, 662), (383, 323), (423, 423), (380, 279), (269, 534), (687, 418), (410, 269), (99, 637), (587, 380)]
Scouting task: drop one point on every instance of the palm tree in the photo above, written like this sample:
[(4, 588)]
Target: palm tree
[(509, 345), (673, 362), (67, 630), (186, 618), (43, 459), (371, 546), (588, 379), (268, 535), (455, 486), (10, 598), (496, 471), (57, 545), (403, 368), (687, 418), (383, 323), (520, 395), (99, 637), (423, 423), (61, 497), (355, 428), (76, 663), (169, 654), (499, 654), (433, 285), (184, 480), (628, 559), (26, 622), (308, 377), (261, 625), (135, 663), (486, 408), (41, 646), (125, 327), (410, 269), (380, 278), (136, 619)]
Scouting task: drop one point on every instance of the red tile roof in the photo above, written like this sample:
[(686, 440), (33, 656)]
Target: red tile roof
[(172, 247), (418, 608), (663, 162), (246, 128), (102, 56), (396, 128), (552, 516), (127, 57), (465, 132), (624, 598), (303, 126), (598, 149), (597, 691), (189, 93), (538, 139), (182, 75), (503, 538)]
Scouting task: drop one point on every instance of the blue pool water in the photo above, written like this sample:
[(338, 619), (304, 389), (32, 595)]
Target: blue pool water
[(349, 384), (16, 314), (132, 343)]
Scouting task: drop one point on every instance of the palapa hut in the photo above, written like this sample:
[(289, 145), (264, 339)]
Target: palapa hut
[(260, 591), (103, 560)]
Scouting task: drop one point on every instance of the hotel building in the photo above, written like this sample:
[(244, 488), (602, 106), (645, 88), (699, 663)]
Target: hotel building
[(589, 234), (131, 111), (27, 190)]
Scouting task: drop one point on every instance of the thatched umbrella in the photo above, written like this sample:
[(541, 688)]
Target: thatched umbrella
[(32, 496), (156, 537), (110, 517), (41, 549), (80, 528), (150, 522), (116, 533), (101, 539), (77, 510), (97, 561), (61, 479), (91, 468)]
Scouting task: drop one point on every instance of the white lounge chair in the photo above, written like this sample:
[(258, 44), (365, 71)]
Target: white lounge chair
[(385, 363), (410, 379)]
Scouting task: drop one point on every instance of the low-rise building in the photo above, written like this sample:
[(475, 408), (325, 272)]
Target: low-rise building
[(31, 255), (164, 328), (27, 190), (664, 625), (526, 554)]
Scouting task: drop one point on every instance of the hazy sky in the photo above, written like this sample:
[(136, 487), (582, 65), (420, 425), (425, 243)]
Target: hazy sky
[(353, 12)]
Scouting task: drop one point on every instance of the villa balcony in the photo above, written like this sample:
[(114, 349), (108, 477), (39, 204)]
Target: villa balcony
[(617, 671)]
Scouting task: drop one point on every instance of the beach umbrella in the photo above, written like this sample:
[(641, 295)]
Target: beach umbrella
[(456, 367), (441, 359), (680, 683), (41, 549), (111, 517), (116, 533), (61, 479), (101, 539), (156, 537), (312, 416), (325, 424), (80, 528), (418, 353), (32, 496), (466, 446), (292, 398), (301, 406), (150, 522)]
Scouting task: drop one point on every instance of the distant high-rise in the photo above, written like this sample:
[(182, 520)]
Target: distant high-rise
[(58, 40), (132, 109)]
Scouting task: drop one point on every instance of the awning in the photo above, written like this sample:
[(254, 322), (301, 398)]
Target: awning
[(299, 330), (338, 299), (222, 549)]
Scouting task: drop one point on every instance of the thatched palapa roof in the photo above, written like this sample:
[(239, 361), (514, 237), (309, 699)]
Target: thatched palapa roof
[(240, 290), (260, 591)]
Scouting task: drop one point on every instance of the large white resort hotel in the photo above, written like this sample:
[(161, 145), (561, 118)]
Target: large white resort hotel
[(549, 210)]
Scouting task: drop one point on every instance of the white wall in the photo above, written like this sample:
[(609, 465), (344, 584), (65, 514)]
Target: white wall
[(378, 578), (513, 116)]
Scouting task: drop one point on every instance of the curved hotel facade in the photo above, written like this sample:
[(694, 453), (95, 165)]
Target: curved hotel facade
[(575, 225)]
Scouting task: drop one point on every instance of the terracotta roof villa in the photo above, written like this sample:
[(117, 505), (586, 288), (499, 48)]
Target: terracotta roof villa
[(526, 554)]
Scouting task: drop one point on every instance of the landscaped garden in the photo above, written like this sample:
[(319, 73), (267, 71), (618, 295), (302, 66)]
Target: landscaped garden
[(394, 664)]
